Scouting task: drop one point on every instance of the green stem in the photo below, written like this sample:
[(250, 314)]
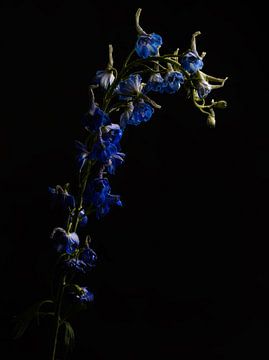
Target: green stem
[(58, 316), (73, 226), (82, 187), (164, 58), (138, 62)]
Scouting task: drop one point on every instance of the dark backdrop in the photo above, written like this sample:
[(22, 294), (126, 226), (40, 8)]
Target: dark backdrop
[(182, 269)]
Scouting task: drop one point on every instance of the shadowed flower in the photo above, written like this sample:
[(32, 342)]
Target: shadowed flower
[(154, 83), (203, 88), (103, 150), (98, 194), (114, 161), (142, 112), (61, 197), (89, 257), (112, 133), (94, 119), (84, 295), (81, 294), (76, 265), (136, 114), (86, 261), (83, 154), (172, 82), (83, 218), (64, 242), (111, 200), (98, 191)]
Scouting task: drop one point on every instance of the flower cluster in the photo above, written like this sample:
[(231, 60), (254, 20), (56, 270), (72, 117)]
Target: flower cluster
[(124, 99)]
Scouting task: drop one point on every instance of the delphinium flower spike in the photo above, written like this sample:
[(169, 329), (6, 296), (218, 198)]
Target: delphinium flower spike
[(117, 99)]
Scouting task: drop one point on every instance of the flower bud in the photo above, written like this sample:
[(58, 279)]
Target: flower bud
[(211, 120), (222, 104)]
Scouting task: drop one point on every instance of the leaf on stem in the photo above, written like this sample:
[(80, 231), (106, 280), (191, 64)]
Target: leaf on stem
[(24, 320), (69, 335)]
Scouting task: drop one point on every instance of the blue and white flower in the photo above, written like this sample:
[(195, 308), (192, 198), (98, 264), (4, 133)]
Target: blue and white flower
[(172, 82), (155, 83), (191, 62), (65, 242), (104, 78), (148, 45), (130, 87)]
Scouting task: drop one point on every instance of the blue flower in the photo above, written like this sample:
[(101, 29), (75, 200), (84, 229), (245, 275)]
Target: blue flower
[(111, 200), (76, 265), (98, 190), (114, 161), (142, 112), (62, 198), (154, 83), (84, 295), (112, 133), (89, 257), (132, 86), (148, 45), (172, 82), (191, 62), (83, 154), (95, 118), (99, 195), (104, 78), (83, 218), (103, 150), (203, 88), (85, 262), (65, 242)]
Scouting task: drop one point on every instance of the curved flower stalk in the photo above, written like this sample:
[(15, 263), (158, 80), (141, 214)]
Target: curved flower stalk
[(125, 98)]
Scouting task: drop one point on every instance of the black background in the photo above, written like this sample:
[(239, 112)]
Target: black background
[(183, 270)]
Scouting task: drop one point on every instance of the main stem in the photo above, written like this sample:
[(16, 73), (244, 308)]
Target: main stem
[(60, 293), (58, 315)]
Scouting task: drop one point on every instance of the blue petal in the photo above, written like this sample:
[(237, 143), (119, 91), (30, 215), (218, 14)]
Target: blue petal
[(148, 45)]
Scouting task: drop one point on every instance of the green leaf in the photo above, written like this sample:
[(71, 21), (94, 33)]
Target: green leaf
[(24, 320), (69, 335)]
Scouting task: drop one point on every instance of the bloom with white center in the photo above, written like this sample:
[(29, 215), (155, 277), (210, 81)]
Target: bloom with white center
[(148, 45), (132, 86), (172, 82), (65, 242), (191, 62), (104, 78), (203, 88)]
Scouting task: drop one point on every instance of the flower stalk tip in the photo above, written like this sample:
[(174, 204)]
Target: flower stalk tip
[(193, 41), (110, 57), (139, 29)]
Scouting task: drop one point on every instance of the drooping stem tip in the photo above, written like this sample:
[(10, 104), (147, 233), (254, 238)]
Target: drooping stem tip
[(110, 57), (193, 41), (139, 29)]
